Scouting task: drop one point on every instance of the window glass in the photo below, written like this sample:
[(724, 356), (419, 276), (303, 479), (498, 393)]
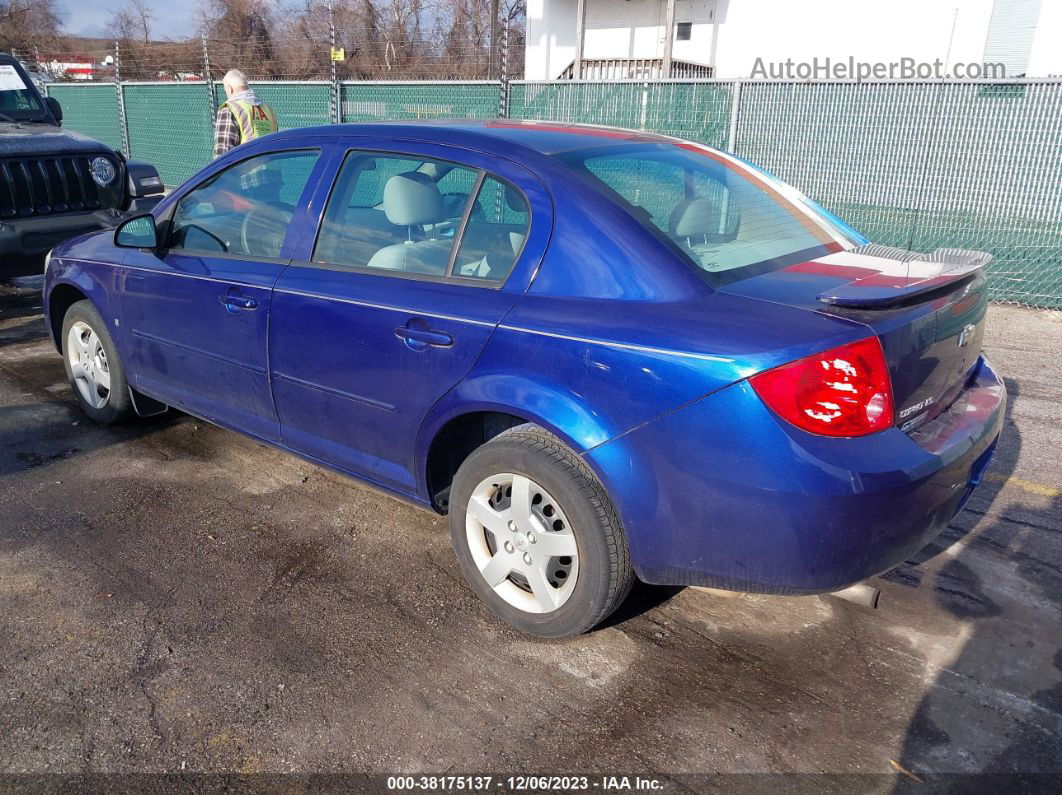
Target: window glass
[(369, 186), (406, 219), (495, 233), (18, 99), (728, 222), (245, 209)]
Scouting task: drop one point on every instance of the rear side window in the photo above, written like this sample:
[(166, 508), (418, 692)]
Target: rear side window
[(729, 222), (388, 213), (368, 188), (423, 217), (494, 234)]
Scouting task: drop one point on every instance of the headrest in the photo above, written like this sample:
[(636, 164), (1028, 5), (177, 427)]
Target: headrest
[(515, 200), (412, 198), (692, 217)]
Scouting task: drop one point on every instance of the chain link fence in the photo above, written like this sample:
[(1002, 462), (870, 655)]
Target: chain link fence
[(366, 101), (917, 165), (926, 165)]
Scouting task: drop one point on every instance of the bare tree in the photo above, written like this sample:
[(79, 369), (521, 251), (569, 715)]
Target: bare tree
[(241, 35), (26, 24), (273, 39), (131, 28)]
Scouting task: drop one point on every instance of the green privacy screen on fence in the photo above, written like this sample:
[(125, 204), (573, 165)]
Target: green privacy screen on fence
[(926, 165), (297, 104), (697, 111), (916, 165), (382, 101), (170, 126), (90, 109)]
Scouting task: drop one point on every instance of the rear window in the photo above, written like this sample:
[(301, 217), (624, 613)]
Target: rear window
[(728, 220)]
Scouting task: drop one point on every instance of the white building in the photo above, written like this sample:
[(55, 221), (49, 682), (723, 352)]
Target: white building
[(725, 38)]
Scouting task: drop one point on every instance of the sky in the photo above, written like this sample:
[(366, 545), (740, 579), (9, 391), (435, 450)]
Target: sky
[(172, 18)]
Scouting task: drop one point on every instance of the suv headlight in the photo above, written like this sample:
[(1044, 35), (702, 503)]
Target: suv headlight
[(47, 260), (103, 171)]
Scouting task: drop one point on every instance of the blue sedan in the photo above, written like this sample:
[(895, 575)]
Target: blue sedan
[(604, 354)]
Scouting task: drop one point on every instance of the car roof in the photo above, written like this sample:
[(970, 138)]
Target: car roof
[(494, 135)]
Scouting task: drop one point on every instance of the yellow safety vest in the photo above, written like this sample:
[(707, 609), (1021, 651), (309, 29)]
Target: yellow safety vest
[(253, 120)]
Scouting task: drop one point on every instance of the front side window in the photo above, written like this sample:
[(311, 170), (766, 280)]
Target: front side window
[(729, 223), (245, 209), (405, 215)]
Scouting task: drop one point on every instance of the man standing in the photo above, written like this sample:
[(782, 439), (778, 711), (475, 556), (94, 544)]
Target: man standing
[(242, 116)]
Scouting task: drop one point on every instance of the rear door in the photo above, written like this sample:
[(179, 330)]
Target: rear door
[(196, 313), (420, 253)]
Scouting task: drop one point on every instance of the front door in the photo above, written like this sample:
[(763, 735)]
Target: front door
[(196, 312), (392, 305)]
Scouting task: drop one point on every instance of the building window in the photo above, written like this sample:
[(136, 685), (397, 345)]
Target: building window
[(683, 31)]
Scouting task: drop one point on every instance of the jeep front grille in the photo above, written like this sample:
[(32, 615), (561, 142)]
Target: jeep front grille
[(34, 186)]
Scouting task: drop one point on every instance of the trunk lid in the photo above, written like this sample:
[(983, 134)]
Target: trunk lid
[(927, 310)]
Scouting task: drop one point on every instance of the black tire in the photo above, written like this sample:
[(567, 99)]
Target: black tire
[(118, 407), (605, 575)]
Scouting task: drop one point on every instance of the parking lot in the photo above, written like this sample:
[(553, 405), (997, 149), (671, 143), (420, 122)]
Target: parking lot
[(175, 597)]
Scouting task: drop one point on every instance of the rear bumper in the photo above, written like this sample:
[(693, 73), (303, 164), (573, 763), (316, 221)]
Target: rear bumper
[(25, 241), (723, 493)]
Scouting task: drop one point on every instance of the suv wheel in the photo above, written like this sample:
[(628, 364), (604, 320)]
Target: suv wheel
[(92, 366), (536, 536)]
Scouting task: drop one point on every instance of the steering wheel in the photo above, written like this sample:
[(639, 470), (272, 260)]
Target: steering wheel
[(263, 228)]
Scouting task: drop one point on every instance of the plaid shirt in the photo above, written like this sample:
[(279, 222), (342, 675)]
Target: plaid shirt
[(226, 132)]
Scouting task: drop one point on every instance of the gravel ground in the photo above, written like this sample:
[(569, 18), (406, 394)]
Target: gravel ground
[(175, 597)]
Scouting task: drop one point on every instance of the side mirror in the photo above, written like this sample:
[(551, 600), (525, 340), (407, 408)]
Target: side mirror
[(144, 179), (137, 232), (55, 108)]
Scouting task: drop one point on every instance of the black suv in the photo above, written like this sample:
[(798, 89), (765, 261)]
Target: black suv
[(54, 183)]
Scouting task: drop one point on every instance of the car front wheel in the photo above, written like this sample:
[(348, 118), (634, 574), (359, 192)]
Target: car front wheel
[(92, 366), (536, 536)]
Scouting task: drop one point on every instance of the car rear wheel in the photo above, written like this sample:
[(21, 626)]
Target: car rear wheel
[(536, 536), (92, 366)]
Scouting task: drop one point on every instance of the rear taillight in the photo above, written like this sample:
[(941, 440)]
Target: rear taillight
[(845, 391)]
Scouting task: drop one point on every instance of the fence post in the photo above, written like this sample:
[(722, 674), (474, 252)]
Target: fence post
[(503, 83), (212, 94), (735, 108), (123, 122), (337, 112)]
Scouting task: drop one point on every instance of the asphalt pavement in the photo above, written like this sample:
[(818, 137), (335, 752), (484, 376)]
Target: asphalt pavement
[(178, 598)]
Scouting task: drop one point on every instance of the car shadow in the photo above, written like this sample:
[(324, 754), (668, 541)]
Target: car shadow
[(993, 710), (20, 317), (642, 598), (39, 434)]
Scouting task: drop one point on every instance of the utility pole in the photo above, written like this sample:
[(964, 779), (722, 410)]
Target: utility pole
[(669, 38)]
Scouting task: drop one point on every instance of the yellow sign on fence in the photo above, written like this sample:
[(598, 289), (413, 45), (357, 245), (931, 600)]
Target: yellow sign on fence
[(339, 54)]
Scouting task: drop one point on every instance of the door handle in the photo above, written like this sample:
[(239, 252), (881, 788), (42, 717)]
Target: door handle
[(234, 303), (419, 338)]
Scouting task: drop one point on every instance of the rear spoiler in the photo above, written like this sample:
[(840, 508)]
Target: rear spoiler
[(924, 274)]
